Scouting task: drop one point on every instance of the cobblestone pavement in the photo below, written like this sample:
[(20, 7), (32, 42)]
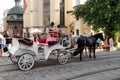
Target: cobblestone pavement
[(106, 66)]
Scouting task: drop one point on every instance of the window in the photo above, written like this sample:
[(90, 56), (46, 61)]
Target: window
[(19, 17), (62, 12), (77, 31)]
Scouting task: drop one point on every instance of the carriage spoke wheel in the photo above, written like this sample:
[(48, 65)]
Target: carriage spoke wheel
[(62, 57), (26, 62), (13, 58)]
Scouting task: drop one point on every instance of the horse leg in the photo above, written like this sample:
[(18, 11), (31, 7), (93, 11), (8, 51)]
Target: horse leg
[(76, 53), (90, 48), (94, 52), (80, 56), (86, 51), (81, 51)]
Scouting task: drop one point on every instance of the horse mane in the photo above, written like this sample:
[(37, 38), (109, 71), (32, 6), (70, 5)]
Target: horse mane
[(97, 35)]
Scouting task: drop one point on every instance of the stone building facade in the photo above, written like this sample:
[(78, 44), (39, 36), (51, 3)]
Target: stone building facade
[(39, 13), (13, 19)]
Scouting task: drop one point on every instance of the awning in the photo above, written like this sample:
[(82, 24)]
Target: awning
[(36, 31)]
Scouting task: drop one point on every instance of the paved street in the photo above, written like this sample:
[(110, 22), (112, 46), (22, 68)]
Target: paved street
[(105, 67)]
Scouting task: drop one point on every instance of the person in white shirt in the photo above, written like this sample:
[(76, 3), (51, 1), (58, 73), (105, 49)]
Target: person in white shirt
[(52, 26), (2, 42), (111, 43), (8, 40)]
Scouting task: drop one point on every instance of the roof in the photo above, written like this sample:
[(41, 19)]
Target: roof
[(12, 18), (16, 10)]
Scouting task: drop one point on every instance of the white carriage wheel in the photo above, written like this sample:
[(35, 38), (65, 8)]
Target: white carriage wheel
[(62, 57), (26, 62), (13, 58)]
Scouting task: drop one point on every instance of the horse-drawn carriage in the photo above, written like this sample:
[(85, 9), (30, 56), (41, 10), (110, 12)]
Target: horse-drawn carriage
[(25, 52)]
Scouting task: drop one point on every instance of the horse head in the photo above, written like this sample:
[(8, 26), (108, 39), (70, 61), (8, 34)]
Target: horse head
[(99, 35)]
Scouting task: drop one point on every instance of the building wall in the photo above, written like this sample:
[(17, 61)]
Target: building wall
[(41, 12), (36, 13), (15, 27), (46, 12), (5, 20), (82, 27), (79, 24), (27, 13), (70, 20), (55, 11), (33, 16), (68, 15), (13, 20)]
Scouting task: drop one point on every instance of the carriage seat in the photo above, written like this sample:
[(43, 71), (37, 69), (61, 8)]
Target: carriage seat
[(49, 41), (15, 36), (26, 41), (54, 33), (42, 42)]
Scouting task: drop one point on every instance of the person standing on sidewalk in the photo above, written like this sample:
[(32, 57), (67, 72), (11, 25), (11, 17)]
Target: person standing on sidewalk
[(8, 40), (111, 43), (2, 42)]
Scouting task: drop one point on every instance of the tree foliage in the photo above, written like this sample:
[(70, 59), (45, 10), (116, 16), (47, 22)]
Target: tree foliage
[(101, 14)]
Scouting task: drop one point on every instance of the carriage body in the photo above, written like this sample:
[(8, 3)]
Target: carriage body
[(25, 55), (35, 50)]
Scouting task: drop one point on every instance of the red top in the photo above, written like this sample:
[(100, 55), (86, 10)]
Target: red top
[(53, 32)]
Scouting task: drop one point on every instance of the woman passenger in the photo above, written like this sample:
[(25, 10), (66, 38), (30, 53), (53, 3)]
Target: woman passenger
[(38, 38)]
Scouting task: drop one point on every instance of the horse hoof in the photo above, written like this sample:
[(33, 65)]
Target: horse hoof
[(80, 59), (89, 56)]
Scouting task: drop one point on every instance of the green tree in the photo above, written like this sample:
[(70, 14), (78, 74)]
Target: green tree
[(101, 14)]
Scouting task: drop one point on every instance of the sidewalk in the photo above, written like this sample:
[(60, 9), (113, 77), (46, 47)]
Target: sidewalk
[(5, 54), (106, 66)]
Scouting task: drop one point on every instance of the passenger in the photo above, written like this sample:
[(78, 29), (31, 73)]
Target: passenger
[(51, 40), (39, 37), (60, 32), (67, 41), (52, 26), (34, 37)]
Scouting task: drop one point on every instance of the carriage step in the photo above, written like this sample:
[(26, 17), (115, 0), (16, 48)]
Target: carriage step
[(41, 56), (42, 59)]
